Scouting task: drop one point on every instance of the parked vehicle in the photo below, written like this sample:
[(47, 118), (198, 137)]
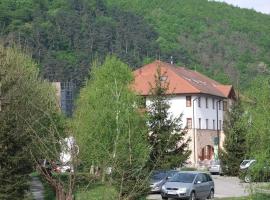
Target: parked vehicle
[(158, 178), (245, 164), (215, 167), (250, 170), (189, 185)]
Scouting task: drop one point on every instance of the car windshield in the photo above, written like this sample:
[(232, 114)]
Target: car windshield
[(183, 178), (158, 175), (245, 162), (215, 162)]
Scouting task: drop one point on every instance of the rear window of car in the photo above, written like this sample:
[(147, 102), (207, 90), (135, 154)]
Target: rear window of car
[(215, 162), (183, 178)]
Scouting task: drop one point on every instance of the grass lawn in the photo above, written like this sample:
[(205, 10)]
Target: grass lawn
[(99, 192), (252, 197)]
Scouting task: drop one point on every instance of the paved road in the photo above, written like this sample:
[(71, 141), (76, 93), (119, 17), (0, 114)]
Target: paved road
[(37, 189), (224, 186)]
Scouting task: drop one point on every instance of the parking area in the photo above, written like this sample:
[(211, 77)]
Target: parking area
[(224, 187)]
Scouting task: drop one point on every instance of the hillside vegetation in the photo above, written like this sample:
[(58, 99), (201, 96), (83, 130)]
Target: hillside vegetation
[(213, 37), (65, 36), (229, 44)]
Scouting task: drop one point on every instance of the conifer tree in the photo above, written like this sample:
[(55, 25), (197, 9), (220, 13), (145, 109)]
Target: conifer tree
[(169, 146), (235, 129)]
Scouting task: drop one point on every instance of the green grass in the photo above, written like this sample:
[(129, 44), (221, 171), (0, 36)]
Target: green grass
[(100, 192), (252, 197)]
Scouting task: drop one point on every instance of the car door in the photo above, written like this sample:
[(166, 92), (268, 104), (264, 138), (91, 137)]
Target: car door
[(205, 186), (199, 187)]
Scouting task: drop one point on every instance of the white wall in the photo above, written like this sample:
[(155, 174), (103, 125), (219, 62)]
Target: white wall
[(178, 106)]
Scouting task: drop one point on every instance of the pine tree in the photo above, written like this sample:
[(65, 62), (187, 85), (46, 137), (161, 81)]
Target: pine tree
[(169, 146), (235, 129)]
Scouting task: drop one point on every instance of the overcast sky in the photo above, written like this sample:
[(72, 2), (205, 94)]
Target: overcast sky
[(258, 5)]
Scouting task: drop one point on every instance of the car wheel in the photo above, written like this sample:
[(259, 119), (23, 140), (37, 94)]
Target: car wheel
[(164, 198), (247, 178), (211, 195), (192, 196)]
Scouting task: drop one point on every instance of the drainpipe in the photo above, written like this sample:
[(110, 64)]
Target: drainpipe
[(217, 126), (194, 135)]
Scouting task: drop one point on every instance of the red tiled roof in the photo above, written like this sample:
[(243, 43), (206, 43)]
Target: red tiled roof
[(181, 80)]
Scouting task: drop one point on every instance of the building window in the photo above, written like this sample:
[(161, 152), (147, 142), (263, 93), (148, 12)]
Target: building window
[(200, 123), (225, 105), (220, 124), (219, 105), (206, 102), (199, 102), (214, 124), (189, 123), (188, 101), (213, 103), (206, 123)]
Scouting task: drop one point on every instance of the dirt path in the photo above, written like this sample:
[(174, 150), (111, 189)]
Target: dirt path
[(37, 189)]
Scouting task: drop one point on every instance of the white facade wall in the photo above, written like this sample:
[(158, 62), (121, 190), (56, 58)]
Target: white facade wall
[(178, 107)]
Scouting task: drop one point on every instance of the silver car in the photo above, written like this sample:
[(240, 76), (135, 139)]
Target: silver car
[(215, 167), (189, 185)]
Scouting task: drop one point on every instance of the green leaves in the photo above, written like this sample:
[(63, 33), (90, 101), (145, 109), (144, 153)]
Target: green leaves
[(31, 125), (235, 143), (109, 128)]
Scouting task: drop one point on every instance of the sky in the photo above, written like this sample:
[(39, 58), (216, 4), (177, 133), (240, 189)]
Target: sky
[(258, 5)]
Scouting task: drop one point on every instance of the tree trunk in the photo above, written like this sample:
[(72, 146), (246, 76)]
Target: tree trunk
[(61, 194)]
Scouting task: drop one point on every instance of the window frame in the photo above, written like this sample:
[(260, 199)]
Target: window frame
[(188, 101), (189, 122)]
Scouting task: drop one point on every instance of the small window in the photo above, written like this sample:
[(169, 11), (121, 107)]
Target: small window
[(189, 123), (214, 124), (188, 101), (213, 103), (206, 102), (225, 105), (206, 123), (200, 123), (219, 105), (199, 102), (220, 124), (163, 78)]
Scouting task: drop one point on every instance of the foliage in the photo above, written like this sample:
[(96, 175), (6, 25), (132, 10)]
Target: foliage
[(64, 36), (258, 133), (213, 37), (97, 193), (110, 130), (29, 112), (235, 145), (166, 135), (31, 126)]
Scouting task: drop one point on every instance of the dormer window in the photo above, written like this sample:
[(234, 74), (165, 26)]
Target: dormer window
[(163, 78)]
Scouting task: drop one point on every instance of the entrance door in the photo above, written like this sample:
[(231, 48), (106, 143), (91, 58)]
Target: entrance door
[(207, 152)]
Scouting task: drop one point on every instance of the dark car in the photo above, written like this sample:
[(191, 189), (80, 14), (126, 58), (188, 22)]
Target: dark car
[(158, 178), (190, 185)]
